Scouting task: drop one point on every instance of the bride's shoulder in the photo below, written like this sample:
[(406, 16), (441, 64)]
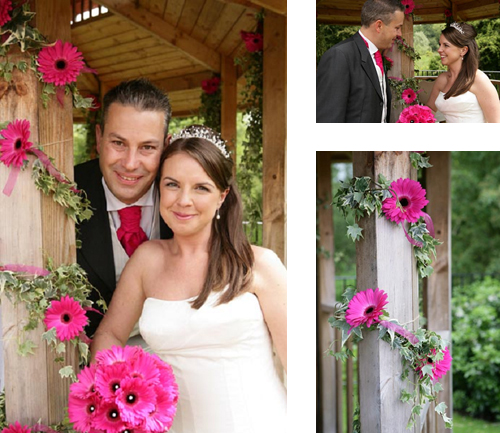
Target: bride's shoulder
[(264, 256), (268, 269), (442, 80)]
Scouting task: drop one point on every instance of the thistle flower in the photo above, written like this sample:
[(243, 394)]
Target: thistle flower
[(366, 307), (408, 204), (67, 316)]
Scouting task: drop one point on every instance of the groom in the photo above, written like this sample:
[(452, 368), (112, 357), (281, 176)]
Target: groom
[(351, 84)]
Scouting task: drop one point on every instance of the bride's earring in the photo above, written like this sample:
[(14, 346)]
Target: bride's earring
[(217, 215)]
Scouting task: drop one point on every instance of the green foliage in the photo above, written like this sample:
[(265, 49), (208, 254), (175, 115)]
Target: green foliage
[(475, 177), (210, 109), (329, 35), (488, 40), (476, 354)]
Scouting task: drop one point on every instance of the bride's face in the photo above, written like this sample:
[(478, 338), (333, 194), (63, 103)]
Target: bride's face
[(450, 53), (189, 198)]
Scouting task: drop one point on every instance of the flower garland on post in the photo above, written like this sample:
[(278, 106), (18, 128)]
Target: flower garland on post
[(211, 102), (251, 157), (56, 65), (424, 352)]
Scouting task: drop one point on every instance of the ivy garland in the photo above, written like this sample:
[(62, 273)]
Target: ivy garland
[(360, 197), (18, 32), (251, 158), (36, 293), (211, 102)]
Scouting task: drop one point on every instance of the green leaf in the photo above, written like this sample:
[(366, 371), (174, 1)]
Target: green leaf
[(26, 348), (67, 372), (427, 369), (441, 408), (354, 232), (50, 336)]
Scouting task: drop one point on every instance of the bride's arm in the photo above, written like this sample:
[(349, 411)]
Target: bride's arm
[(269, 285), (438, 86), (125, 307), (487, 97)]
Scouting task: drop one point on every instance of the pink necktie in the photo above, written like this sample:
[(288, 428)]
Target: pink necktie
[(130, 234), (378, 58)]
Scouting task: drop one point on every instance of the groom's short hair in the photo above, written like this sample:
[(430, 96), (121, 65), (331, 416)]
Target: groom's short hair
[(384, 10)]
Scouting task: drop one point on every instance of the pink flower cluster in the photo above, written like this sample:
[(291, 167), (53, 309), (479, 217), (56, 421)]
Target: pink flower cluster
[(439, 368), (211, 85), (127, 389), (417, 114), (253, 41), (5, 8)]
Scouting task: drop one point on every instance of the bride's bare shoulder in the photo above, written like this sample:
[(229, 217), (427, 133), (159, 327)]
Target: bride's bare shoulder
[(442, 80)]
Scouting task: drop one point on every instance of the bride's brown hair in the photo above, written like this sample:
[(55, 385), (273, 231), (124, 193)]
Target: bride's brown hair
[(470, 62), (231, 257)]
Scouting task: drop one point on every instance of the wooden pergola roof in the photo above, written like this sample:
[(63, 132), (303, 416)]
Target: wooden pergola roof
[(426, 11), (174, 43)]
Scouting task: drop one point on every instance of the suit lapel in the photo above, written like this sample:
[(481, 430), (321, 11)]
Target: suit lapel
[(367, 63)]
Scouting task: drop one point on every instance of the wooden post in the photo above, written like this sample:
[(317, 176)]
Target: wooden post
[(229, 105), (403, 65), (34, 228), (326, 376), (274, 134), (437, 288), (384, 260)]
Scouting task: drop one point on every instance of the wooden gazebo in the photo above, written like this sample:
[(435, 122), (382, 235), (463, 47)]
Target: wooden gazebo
[(174, 43)]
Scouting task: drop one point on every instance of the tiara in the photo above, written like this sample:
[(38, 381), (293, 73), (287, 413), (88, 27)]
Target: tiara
[(200, 131), (457, 26)]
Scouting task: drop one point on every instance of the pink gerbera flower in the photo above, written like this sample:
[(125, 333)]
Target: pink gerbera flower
[(416, 114), (409, 96), (162, 417), (135, 399), (15, 144), (408, 204), (67, 316), (60, 64), (85, 386), (439, 368), (366, 307), (108, 378), (108, 418), (253, 41), (16, 428), (409, 6), (210, 86), (5, 8), (143, 366), (82, 411), (117, 354)]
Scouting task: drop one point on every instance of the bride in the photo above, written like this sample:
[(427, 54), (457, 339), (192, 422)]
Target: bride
[(464, 94), (208, 302)]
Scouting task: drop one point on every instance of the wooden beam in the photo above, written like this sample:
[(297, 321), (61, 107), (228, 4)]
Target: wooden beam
[(274, 134), (384, 259), (229, 105), (34, 228), (437, 288), (165, 32), (246, 3), (184, 82), (277, 6), (327, 398)]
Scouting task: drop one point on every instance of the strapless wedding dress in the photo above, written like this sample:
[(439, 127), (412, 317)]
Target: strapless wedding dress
[(222, 359), (463, 108)]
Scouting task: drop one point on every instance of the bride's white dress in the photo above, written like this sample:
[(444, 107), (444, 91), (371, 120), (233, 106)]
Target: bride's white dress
[(222, 359), (463, 108)]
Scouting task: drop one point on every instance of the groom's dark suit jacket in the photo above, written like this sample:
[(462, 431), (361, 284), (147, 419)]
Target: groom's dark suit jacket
[(347, 85), (96, 254)]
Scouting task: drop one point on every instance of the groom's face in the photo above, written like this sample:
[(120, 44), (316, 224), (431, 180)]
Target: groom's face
[(388, 33)]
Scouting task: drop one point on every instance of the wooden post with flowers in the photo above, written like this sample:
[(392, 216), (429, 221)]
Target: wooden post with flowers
[(437, 288), (34, 227), (384, 260)]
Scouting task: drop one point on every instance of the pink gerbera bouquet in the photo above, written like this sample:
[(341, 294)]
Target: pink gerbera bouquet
[(127, 389), (416, 114)]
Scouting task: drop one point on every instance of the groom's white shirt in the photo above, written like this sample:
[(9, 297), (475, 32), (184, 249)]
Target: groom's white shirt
[(373, 49)]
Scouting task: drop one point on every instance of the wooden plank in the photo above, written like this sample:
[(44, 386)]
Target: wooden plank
[(208, 17), (173, 11), (384, 260), (229, 106), (184, 82), (166, 32), (232, 40), (224, 25), (136, 48), (327, 383), (437, 288), (110, 41), (274, 135), (190, 15), (149, 55), (277, 6)]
